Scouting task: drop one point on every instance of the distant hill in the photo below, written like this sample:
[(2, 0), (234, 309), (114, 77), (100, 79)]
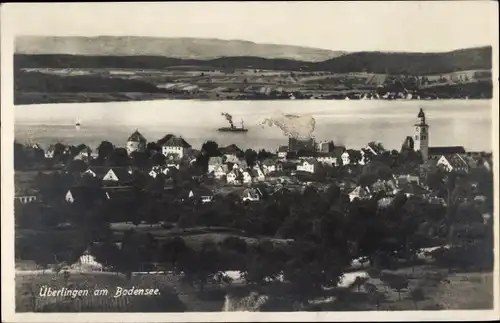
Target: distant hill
[(371, 62), (186, 48)]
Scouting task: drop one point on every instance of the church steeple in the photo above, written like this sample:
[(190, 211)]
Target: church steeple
[(421, 137)]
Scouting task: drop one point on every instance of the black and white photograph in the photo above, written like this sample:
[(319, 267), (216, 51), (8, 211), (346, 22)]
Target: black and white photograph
[(293, 160)]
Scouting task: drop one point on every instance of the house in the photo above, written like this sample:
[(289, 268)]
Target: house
[(247, 177), (118, 175), (96, 171), (405, 179), (176, 145), (235, 176), (388, 187), (250, 194), (309, 166), (202, 194), (231, 152), (282, 152), (411, 189), (49, 153), (346, 158), (88, 262), (327, 158), (437, 152), (214, 162), (84, 195), (25, 199), (136, 142), (257, 174), (359, 193), (221, 171), (271, 165), (231, 159), (453, 163)]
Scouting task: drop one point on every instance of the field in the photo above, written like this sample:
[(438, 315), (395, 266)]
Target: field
[(49, 85), (440, 290)]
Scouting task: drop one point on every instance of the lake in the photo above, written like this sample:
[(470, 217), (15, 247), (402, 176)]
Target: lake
[(352, 123)]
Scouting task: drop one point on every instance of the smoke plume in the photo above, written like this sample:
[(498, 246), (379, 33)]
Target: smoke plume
[(294, 126), (228, 118)]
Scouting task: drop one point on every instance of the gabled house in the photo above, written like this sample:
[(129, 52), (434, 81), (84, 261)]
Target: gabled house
[(257, 174), (346, 158), (327, 158), (282, 152), (411, 189), (230, 152), (202, 194), (271, 165), (85, 195), (176, 145), (118, 175), (235, 176), (221, 171), (250, 194), (136, 143), (309, 165), (49, 153), (359, 193), (96, 171), (453, 163), (437, 152), (405, 179), (214, 162), (247, 176)]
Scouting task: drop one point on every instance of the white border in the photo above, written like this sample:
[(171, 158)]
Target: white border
[(7, 233)]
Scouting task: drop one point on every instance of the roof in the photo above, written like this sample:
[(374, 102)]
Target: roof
[(456, 161), (311, 161), (232, 159), (283, 149), (215, 161), (177, 142), (421, 113), (446, 150), (87, 193), (250, 191), (137, 137), (270, 162), (231, 149), (98, 170), (325, 154), (201, 191), (122, 173), (412, 188), (360, 191)]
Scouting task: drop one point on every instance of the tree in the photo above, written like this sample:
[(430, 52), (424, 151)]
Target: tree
[(105, 149), (416, 295), (172, 249), (77, 166), (119, 157), (251, 157), (200, 265), (140, 159)]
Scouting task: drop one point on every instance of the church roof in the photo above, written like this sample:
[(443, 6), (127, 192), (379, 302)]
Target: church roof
[(177, 142), (421, 113), (137, 137), (447, 150)]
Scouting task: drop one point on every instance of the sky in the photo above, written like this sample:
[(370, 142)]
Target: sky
[(428, 26)]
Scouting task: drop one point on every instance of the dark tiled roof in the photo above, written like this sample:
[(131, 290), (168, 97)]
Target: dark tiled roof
[(447, 150), (231, 149), (137, 137), (456, 161), (338, 150), (177, 142), (87, 194), (201, 191), (122, 174), (283, 149)]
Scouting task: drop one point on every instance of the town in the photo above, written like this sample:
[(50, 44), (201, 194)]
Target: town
[(164, 205)]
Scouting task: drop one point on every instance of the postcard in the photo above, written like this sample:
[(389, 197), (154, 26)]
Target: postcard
[(249, 161)]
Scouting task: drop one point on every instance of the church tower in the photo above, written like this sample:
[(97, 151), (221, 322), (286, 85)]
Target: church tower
[(421, 137)]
